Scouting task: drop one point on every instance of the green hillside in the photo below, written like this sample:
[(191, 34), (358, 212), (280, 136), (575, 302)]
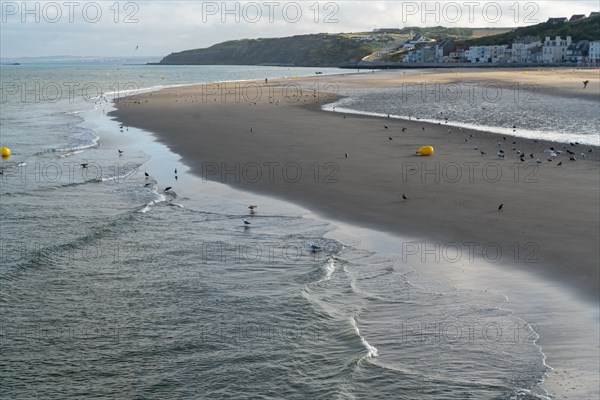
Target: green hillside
[(583, 29), (304, 50)]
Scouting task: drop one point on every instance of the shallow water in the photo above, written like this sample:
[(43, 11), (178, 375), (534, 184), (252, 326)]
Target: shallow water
[(113, 287)]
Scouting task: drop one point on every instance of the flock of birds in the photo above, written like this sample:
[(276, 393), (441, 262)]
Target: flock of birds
[(552, 151)]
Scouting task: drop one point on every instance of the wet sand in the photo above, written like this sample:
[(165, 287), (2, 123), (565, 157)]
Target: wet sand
[(268, 138)]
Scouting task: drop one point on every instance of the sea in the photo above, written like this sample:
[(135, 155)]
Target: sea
[(112, 287)]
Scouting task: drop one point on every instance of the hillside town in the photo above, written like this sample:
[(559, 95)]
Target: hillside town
[(524, 50)]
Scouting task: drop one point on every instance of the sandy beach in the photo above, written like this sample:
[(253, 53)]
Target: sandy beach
[(274, 140)]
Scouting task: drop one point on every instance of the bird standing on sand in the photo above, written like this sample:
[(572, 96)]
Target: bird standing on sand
[(585, 83), (500, 206), (385, 126), (559, 164), (146, 174), (246, 222), (346, 155), (168, 188), (120, 152), (390, 138), (404, 197), (175, 170), (252, 208)]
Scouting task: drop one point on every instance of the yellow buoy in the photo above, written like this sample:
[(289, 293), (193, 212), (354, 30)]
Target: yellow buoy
[(5, 151), (425, 151)]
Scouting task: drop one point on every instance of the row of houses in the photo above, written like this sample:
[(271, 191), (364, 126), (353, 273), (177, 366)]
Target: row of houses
[(527, 50)]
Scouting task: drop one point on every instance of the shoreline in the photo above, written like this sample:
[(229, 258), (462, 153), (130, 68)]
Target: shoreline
[(330, 183), (561, 354)]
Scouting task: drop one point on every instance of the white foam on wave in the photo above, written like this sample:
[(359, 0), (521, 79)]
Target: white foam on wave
[(117, 177), (371, 350), (160, 198)]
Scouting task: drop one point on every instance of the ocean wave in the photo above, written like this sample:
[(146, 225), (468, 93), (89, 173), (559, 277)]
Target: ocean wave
[(372, 351)]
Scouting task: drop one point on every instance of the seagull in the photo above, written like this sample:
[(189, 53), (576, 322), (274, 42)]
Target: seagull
[(385, 126), (84, 165), (147, 184), (538, 161), (168, 188), (585, 83), (582, 155), (252, 207), (559, 164), (403, 129), (246, 222), (147, 175), (120, 152), (346, 155), (531, 155), (499, 144), (483, 152), (572, 158), (390, 138), (314, 247), (404, 197), (500, 206), (175, 170)]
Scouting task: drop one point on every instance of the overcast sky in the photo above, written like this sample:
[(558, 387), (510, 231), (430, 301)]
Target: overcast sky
[(157, 28)]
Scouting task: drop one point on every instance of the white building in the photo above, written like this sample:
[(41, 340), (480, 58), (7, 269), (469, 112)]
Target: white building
[(486, 54), (524, 52), (594, 52), (555, 50)]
